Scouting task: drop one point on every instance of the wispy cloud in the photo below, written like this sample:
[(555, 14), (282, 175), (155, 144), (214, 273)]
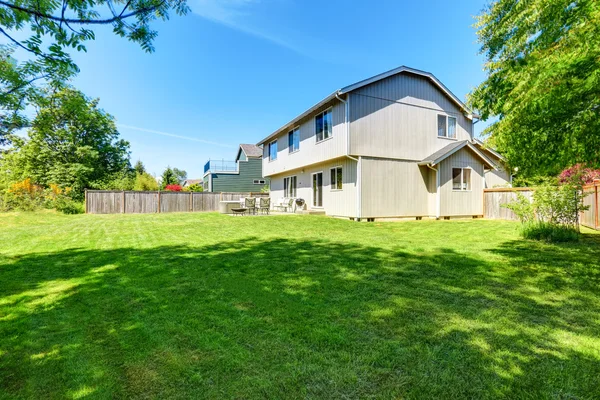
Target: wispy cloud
[(192, 139), (235, 14)]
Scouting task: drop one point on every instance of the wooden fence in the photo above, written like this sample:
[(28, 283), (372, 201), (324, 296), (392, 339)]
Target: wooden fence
[(493, 199), (590, 217), (130, 202)]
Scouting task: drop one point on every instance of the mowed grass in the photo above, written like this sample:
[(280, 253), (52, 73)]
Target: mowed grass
[(211, 306)]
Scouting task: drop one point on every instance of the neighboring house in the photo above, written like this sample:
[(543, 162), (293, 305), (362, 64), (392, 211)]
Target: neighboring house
[(399, 144), (242, 175), (190, 182)]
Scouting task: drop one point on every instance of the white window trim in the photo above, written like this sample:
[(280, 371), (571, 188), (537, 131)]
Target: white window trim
[(447, 125), (269, 149), (315, 124), (331, 184), (297, 128), (461, 179), (311, 188)]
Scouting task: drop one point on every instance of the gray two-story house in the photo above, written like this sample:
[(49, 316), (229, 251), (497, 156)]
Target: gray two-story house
[(244, 174), (399, 144)]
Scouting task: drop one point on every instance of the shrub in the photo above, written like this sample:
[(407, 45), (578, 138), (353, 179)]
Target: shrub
[(549, 232), (173, 188), (68, 206), (23, 196), (145, 182), (196, 187), (553, 215)]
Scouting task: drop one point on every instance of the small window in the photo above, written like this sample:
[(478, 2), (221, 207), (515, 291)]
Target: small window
[(273, 150), (446, 126), (259, 182), (294, 140), (336, 178), (289, 186), (461, 179), (323, 125)]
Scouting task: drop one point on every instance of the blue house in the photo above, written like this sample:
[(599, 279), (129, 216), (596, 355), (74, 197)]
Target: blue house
[(242, 175)]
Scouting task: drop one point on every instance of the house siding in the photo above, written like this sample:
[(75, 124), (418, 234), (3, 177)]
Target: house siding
[(310, 151), (340, 203), (461, 203), (394, 188), (397, 118), (241, 181)]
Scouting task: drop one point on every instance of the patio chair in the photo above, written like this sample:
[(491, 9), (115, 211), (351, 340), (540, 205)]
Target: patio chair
[(289, 204), (250, 204), (264, 204)]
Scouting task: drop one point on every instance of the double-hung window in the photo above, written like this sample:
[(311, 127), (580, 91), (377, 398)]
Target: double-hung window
[(289, 186), (461, 179), (446, 126), (273, 150), (323, 125), (336, 178), (294, 140)]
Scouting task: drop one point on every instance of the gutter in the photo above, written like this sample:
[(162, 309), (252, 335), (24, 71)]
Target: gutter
[(357, 160)]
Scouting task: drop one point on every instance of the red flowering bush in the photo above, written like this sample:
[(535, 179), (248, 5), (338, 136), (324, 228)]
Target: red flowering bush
[(173, 188), (578, 174)]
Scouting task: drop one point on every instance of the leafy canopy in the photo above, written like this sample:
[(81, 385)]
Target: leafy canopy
[(56, 26), (72, 143), (543, 83)]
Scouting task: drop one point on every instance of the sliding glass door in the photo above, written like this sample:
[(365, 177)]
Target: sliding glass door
[(317, 185)]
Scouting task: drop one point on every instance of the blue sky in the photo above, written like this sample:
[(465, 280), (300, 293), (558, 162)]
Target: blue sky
[(233, 71)]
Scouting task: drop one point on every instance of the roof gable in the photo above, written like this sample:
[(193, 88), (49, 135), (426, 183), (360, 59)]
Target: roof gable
[(452, 148), (335, 95), (251, 150)]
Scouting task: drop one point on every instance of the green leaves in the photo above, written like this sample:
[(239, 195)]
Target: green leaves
[(543, 65)]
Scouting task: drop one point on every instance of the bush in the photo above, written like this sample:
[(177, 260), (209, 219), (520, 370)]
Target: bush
[(173, 188), (549, 232), (553, 215), (145, 182), (23, 196), (196, 187), (68, 206)]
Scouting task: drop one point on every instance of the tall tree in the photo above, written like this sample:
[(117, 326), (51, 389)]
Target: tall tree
[(139, 167), (543, 83), (71, 142), (56, 26), (168, 178), (180, 174)]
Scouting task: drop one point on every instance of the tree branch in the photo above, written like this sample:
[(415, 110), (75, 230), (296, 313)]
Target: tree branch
[(82, 21), (22, 85)]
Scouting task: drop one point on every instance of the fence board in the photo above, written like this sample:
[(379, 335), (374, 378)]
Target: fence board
[(590, 217), (131, 202), (493, 199)]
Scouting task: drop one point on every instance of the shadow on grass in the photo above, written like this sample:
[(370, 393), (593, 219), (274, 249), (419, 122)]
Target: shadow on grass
[(286, 319)]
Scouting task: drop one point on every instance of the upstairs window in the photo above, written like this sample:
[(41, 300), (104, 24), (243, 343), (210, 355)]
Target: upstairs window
[(294, 140), (336, 178), (273, 150), (446, 126), (323, 125), (461, 179)]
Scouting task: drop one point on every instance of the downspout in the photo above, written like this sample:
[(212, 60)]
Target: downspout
[(357, 160), (438, 203)]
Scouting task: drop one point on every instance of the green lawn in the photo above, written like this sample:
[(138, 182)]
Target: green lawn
[(211, 306)]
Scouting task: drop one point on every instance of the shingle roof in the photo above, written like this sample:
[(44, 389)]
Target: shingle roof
[(444, 152), (452, 148), (189, 182), (251, 150)]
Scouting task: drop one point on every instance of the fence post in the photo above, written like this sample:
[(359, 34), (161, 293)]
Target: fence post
[(86, 201), (158, 211), (191, 201), (123, 202), (596, 210)]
